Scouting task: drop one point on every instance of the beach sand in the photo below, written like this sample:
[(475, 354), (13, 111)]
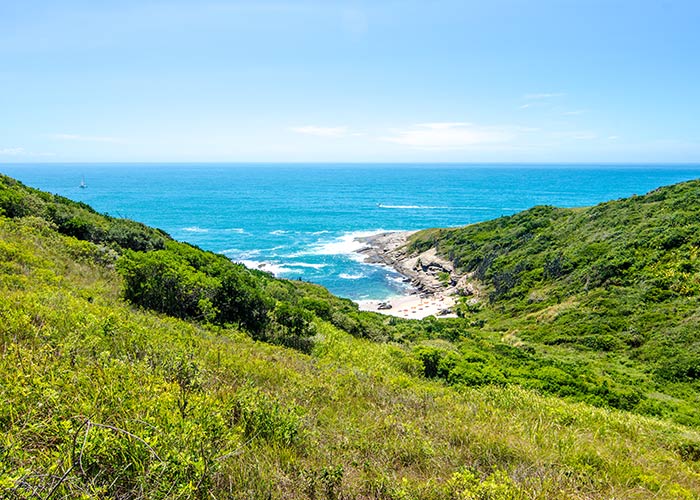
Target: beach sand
[(411, 306)]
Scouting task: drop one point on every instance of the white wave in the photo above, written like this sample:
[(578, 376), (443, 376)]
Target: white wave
[(346, 244), (411, 207), (400, 280), (274, 249), (268, 267), (248, 254), (237, 253), (197, 229), (306, 264), (317, 233), (279, 232), (348, 276)]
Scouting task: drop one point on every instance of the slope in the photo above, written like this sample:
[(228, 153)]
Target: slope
[(105, 399), (609, 291)]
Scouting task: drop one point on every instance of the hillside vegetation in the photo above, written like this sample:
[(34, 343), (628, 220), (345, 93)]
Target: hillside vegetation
[(615, 287), (134, 366)]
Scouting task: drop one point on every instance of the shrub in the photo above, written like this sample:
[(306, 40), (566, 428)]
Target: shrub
[(159, 281), (430, 358), (239, 299)]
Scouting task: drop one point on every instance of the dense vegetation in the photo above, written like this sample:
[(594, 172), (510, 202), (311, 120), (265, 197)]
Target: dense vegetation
[(134, 366), (610, 292)]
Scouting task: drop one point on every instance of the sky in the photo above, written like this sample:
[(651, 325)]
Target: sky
[(350, 81)]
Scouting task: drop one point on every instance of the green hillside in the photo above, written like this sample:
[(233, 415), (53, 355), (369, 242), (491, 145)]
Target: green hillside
[(135, 366), (614, 287)]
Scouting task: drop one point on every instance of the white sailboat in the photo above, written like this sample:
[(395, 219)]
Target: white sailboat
[(82, 183)]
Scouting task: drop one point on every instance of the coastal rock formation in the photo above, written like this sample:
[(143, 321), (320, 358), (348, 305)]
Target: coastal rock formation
[(427, 271), (465, 287)]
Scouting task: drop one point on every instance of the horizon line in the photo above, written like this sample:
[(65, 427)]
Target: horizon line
[(330, 163)]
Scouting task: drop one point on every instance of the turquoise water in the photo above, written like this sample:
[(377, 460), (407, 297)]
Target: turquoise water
[(300, 220)]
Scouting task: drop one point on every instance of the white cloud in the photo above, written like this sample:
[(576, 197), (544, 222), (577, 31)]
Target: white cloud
[(12, 151), (85, 138), (321, 131), (22, 152), (574, 113), (443, 125), (448, 136)]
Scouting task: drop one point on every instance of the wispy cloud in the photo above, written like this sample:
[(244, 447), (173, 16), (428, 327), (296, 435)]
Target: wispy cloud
[(22, 152), (540, 100), (575, 112), (544, 95), (12, 151), (321, 131), (85, 138), (448, 136)]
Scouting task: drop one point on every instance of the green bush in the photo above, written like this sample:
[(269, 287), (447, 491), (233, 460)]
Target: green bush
[(159, 281), (430, 358), (240, 300)]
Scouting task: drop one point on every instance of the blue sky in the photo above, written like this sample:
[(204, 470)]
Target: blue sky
[(430, 81)]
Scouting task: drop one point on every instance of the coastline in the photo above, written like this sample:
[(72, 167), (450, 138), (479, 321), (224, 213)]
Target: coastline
[(435, 283)]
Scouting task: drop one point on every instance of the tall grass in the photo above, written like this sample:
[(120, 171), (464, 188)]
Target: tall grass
[(99, 399)]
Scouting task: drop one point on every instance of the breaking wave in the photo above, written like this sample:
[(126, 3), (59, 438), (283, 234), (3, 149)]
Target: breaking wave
[(348, 276)]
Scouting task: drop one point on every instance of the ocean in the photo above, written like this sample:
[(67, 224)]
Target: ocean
[(300, 221)]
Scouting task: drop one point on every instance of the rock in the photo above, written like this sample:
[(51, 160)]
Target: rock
[(426, 271), (465, 287)]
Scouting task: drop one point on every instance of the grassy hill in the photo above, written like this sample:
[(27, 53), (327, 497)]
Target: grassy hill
[(610, 291), (134, 366)]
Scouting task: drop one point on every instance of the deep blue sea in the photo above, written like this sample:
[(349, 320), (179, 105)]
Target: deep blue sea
[(301, 220)]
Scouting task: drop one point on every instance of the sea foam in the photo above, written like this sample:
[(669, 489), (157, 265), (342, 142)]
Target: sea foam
[(347, 244), (306, 264), (412, 207), (348, 276), (268, 267)]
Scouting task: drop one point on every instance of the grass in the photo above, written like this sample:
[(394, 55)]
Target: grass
[(100, 399)]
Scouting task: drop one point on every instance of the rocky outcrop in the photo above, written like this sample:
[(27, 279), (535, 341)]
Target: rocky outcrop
[(427, 271)]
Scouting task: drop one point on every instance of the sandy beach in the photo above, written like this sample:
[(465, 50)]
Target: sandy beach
[(412, 306)]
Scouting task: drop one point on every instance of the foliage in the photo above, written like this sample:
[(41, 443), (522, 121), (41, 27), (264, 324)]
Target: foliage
[(600, 301), (77, 219), (178, 398)]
